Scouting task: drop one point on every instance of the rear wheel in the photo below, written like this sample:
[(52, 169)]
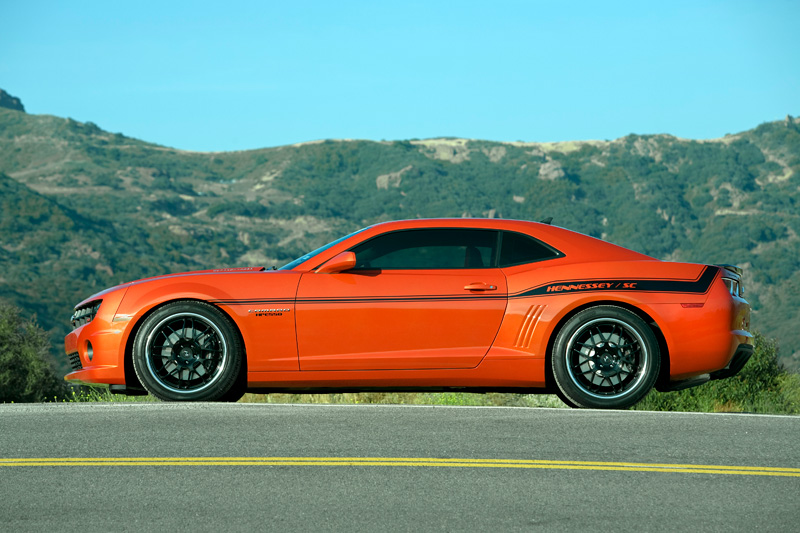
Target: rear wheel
[(189, 351), (605, 357)]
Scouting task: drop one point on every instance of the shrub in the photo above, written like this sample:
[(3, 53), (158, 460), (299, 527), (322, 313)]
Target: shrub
[(25, 374), (762, 386)]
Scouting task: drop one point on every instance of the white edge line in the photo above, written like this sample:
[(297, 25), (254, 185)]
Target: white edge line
[(248, 405)]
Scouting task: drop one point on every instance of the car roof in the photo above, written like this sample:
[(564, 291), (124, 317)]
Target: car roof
[(577, 246)]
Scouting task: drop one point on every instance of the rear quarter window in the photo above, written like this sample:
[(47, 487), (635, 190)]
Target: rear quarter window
[(519, 249)]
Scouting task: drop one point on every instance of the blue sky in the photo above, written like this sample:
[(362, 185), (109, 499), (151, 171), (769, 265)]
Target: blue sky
[(215, 76)]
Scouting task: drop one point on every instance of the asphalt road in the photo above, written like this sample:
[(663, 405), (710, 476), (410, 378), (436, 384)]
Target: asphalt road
[(245, 467)]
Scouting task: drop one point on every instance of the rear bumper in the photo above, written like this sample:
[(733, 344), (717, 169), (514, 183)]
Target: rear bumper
[(740, 357), (743, 354)]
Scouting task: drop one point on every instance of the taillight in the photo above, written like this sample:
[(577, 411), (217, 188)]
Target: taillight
[(734, 286)]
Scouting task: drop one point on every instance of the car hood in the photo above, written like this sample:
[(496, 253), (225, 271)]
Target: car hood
[(125, 285), (196, 272)]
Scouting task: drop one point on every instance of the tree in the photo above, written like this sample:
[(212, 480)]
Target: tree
[(25, 374)]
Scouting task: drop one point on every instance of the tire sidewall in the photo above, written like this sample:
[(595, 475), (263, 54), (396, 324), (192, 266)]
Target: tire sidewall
[(560, 359), (225, 378)]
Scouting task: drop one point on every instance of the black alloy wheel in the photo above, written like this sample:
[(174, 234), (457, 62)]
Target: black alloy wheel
[(189, 351), (605, 357)]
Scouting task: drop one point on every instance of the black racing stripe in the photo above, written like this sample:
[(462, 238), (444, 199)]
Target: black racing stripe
[(382, 299), (699, 286), (285, 301), (365, 299)]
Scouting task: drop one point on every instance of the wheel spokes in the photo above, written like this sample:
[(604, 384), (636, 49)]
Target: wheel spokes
[(606, 357), (186, 352)]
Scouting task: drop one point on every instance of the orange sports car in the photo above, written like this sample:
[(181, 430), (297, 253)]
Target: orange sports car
[(472, 305)]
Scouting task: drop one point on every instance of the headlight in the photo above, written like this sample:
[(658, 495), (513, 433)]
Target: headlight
[(85, 313)]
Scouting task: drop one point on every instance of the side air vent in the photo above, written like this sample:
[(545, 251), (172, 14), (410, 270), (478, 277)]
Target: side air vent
[(529, 326)]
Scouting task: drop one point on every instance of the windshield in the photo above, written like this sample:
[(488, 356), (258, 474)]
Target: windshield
[(309, 255)]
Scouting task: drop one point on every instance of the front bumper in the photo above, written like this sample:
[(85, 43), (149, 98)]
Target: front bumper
[(96, 348), (104, 343)]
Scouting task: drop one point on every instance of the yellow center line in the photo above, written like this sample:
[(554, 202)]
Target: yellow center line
[(404, 461)]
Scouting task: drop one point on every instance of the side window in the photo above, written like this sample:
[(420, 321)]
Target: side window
[(428, 249), (518, 249)]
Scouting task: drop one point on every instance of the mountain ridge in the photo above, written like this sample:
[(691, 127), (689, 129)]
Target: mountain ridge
[(10, 102), (101, 208)]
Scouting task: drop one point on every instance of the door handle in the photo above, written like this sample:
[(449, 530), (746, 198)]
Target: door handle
[(480, 286)]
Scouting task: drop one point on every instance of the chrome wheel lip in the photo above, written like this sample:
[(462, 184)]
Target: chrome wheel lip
[(640, 370), (213, 375)]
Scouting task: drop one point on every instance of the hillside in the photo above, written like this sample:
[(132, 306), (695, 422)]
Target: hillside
[(83, 208)]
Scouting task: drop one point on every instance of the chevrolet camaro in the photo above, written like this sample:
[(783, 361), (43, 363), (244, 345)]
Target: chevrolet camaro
[(473, 305)]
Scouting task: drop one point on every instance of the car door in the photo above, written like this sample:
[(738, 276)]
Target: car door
[(417, 299)]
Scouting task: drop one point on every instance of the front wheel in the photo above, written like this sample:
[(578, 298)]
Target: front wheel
[(188, 351), (605, 357)]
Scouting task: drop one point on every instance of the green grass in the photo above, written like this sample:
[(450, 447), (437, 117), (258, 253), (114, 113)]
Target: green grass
[(412, 398), (102, 394)]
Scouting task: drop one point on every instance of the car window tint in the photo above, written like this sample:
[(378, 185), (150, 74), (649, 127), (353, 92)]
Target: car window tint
[(428, 249), (518, 249)]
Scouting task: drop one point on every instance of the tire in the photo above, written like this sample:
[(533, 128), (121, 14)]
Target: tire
[(189, 351), (238, 388), (565, 400), (605, 357)]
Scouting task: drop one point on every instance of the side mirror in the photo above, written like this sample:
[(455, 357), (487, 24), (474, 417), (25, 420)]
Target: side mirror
[(339, 263)]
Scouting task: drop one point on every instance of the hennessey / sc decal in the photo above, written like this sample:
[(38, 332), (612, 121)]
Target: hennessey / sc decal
[(591, 286), (698, 286)]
